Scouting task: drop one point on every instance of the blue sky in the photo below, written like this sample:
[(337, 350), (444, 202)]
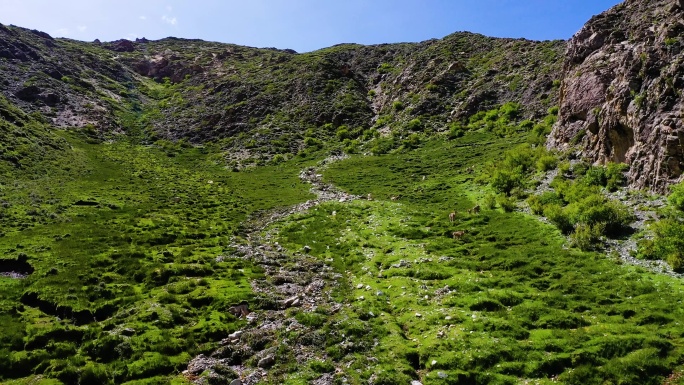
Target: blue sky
[(303, 25)]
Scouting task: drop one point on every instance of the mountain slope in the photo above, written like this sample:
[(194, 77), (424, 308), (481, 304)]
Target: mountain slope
[(267, 101)]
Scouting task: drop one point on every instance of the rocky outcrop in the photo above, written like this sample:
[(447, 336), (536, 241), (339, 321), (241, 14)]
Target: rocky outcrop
[(620, 98)]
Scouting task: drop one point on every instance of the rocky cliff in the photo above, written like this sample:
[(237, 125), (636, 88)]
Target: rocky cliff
[(620, 98)]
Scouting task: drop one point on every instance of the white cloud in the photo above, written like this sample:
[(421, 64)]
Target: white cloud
[(81, 28), (142, 17), (170, 20), (61, 32), (169, 8)]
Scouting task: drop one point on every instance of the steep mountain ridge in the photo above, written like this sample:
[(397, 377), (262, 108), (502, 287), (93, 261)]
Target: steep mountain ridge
[(263, 101), (620, 99)]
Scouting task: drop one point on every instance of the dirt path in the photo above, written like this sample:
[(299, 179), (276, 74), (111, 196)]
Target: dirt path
[(290, 280)]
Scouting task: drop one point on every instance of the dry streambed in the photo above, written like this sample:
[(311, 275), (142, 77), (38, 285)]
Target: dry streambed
[(291, 280)]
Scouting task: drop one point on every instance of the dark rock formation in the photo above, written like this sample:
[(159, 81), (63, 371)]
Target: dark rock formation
[(620, 98)]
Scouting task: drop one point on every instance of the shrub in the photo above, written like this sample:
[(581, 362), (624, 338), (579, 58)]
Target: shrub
[(343, 133), (587, 236), (535, 204), (490, 201), (615, 175), (676, 197), (398, 105), (411, 142), (415, 125), (456, 130), (676, 260), (506, 203), (385, 68), (278, 158), (564, 167), (526, 125), (668, 240), (313, 142), (521, 156), (382, 145), (558, 217), (509, 111), (595, 176), (503, 180), (322, 366), (546, 163), (597, 209), (94, 374)]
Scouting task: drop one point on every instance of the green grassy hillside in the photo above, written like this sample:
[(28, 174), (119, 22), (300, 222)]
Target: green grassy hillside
[(180, 211)]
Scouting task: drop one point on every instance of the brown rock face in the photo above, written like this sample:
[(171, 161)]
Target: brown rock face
[(621, 94)]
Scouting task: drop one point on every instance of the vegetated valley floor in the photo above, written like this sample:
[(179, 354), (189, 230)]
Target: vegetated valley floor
[(130, 267)]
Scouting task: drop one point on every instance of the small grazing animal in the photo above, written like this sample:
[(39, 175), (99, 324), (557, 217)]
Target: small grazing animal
[(475, 210), (241, 310), (394, 197), (370, 197), (452, 216), (458, 234)]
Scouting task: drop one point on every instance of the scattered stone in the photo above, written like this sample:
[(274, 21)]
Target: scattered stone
[(292, 302), (434, 362), (418, 315), (236, 382), (266, 362), (236, 335), (442, 375), (414, 382)]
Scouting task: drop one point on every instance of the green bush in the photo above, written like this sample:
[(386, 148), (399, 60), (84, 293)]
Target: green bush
[(415, 125), (546, 163), (676, 260), (586, 237), (313, 142), (490, 201), (322, 366), (538, 202), (413, 141), (521, 156), (668, 240), (94, 374), (595, 176), (343, 133), (506, 203), (456, 130), (558, 217), (504, 181), (564, 167), (596, 209), (383, 145), (615, 177), (676, 197)]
